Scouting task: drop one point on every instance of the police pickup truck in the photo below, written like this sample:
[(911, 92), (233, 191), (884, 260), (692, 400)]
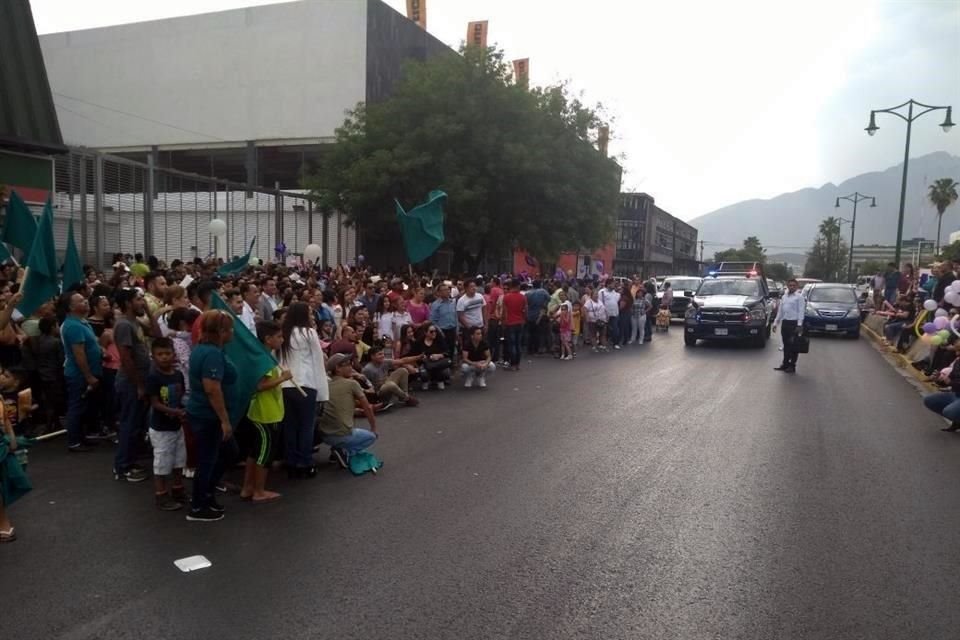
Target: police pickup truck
[(732, 303)]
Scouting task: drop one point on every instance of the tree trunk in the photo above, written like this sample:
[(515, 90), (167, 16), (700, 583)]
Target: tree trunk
[(939, 222), (473, 262)]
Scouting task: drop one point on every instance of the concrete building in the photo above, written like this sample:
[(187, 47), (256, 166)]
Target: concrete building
[(917, 251), (650, 241), (249, 95)]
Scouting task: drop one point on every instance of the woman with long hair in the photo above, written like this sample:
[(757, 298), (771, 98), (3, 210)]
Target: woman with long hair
[(418, 309), (302, 354), (213, 378), (435, 367)]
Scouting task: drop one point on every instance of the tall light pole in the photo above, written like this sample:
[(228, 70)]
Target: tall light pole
[(855, 197), (840, 223), (908, 118)]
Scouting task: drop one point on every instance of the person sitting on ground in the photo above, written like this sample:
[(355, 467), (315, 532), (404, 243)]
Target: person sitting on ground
[(476, 359), (165, 386), (390, 378), (436, 363), (947, 403), (336, 423)]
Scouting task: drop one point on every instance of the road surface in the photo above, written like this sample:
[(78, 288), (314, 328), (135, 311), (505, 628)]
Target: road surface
[(658, 492)]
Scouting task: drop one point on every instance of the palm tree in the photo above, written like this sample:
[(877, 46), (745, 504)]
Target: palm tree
[(943, 193)]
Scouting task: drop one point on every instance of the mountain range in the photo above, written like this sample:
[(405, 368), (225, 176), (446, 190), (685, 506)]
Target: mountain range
[(789, 222)]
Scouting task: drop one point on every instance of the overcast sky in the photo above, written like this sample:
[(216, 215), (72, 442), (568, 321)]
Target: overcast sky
[(712, 102)]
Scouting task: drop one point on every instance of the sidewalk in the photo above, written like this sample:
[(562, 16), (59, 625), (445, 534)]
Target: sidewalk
[(872, 327)]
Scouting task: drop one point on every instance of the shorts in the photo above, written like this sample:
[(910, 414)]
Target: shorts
[(169, 451), (259, 441), (566, 337)]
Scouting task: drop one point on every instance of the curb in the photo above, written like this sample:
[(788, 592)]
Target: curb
[(899, 360)]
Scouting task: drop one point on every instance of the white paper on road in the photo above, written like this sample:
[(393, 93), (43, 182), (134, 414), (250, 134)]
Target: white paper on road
[(192, 563)]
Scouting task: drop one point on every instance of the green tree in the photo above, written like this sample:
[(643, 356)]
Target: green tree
[(871, 267), (827, 258), (751, 251), (777, 271), (951, 252), (519, 166), (942, 194)]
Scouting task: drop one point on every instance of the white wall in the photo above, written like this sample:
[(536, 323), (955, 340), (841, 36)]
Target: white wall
[(286, 71)]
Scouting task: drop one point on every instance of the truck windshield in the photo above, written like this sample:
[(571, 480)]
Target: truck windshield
[(731, 287)]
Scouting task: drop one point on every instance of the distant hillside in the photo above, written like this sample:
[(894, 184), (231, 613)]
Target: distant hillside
[(791, 219), (787, 258)]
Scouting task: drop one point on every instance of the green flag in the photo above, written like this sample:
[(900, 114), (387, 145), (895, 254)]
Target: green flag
[(237, 266), (19, 227), (4, 253), (422, 227), (249, 356), (42, 270), (72, 267)]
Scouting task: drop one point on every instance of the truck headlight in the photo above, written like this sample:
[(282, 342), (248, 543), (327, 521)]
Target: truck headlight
[(691, 312), (853, 313), (757, 314)]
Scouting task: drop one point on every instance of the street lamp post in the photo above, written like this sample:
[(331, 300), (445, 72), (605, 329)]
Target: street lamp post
[(840, 223), (855, 197), (908, 118)]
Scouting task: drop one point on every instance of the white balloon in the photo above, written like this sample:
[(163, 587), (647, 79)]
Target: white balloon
[(312, 253), (930, 305), (954, 286), (952, 298), (254, 261), (217, 227), (941, 313)]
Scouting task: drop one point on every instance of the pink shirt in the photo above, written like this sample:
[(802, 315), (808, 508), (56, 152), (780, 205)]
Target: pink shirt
[(419, 313)]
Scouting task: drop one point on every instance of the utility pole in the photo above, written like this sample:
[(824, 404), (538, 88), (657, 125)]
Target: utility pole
[(701, 253)]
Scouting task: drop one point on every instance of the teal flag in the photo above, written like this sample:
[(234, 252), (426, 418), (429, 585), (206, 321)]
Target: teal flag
[(41, 282), (4, 253), (72, 267), (249, 356), (422, 227), (19, 226), (240, 264)]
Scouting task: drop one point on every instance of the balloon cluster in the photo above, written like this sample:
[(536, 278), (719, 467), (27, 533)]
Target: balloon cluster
[(936, 323)]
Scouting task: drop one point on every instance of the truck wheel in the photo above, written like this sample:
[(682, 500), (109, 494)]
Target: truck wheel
[(760, 341)]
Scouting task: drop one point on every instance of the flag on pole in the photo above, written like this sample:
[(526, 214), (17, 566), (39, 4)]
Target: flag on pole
[(249, 356), (19, 227), (40, 277), (422, 227), (240, 264), (72, 267)]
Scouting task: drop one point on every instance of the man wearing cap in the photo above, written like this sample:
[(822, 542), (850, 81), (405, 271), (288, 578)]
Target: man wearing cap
[(336, 423)]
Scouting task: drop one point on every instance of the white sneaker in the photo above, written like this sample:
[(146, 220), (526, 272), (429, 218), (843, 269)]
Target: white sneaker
[(617, 347), (468, 382), (441, 386), (425, 386), (482, 382)]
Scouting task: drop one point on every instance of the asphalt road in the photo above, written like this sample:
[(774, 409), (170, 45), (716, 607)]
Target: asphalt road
[(658, 492)]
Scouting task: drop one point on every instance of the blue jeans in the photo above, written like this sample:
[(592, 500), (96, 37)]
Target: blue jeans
[(514, 348), (892, 330), (358, 440), (890, 295), (213, 454), (613, 330), (299, 420), (946, 404), (133, 420), (76, 409)]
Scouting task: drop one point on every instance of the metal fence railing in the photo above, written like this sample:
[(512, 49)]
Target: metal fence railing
[(123, 206)]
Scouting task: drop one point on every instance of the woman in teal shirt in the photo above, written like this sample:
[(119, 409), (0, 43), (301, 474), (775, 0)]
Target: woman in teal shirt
[(212, 388)]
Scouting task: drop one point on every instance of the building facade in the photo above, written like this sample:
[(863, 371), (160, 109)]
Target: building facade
[(649, 241), (919, 252)]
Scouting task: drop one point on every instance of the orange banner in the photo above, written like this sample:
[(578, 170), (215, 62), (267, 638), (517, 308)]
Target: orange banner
[(603, 139), (417, 11), (477, 34), (521, 71)]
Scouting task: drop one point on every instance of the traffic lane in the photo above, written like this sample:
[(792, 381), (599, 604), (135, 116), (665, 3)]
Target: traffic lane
[(597, 505)]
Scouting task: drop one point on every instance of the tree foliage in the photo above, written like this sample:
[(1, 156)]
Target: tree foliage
[(519, 166), (827, 258), (942, 193), (751, 251), (777, 271)]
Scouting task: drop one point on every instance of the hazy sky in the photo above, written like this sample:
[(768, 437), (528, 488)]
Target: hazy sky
[(712, 102)]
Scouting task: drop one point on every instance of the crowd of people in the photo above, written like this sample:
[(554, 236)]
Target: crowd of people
[(138, 359)]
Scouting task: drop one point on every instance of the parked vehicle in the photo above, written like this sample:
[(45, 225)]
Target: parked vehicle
[(684, 288)]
